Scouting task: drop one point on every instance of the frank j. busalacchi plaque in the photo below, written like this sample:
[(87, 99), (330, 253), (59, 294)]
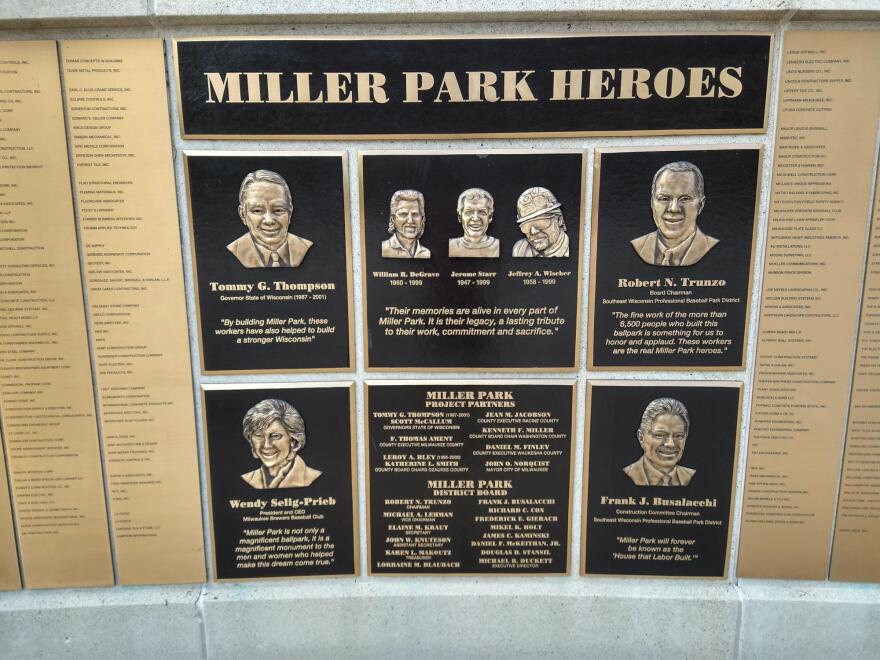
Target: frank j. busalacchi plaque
[(671, 260), (272, 257), (472, 259), (659, 477), (476, 85), (281, 479), (469, 477)]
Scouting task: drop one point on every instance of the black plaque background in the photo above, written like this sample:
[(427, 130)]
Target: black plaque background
[(317, 187), (442, 179), (731, 179), (392, 57), (325, 411), (556, 482), (615, 413)]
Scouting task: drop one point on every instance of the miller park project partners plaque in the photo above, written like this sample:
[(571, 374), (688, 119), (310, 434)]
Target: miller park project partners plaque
[(469, 477)]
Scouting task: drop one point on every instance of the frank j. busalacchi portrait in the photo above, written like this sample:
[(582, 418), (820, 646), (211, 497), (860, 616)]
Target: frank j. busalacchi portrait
[(662, 434)]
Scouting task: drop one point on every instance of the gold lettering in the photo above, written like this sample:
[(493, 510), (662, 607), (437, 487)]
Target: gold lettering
[(415, 82), (634, 84), (229, 84), (370, 88), (449, 87), (669, 83), (568, 84)]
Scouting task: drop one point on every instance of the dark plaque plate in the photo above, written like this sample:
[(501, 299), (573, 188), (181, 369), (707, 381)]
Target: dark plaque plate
[(446, 302), (276, 512), (672, 266), (659, 478), (255, 317), (480, 85), (469, 477)]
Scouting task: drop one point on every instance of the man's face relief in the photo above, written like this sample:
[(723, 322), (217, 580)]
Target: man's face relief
[(408, 219), (676, 205), (475, 218), (273, 445), (266, 213), (663, 443), (542, 232)]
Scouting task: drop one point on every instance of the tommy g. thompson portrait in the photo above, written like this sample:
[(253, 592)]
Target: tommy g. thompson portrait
[(406, 224), (662, 434), (276, 433), (677, 199), (265, 207)]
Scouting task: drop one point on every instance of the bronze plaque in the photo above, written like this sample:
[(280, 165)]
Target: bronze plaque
[(118, 123), (10, 578), (659, 477), (671, 260), (472, 259), (282, 479), (470, 86), (272, 261), (469, 477), (47, 404), (815, 258), (854, 555)]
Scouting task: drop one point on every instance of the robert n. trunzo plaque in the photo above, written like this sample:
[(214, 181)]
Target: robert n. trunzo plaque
[(281, 469), (659, 477), (469, 477), (472, 259), (272, 260), (671, 260), (478, 85)]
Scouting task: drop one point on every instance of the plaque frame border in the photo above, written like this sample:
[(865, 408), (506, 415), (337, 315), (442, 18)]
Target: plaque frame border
[(473, 152), (570, 382), (594, 218), (355, 521), (585, 477), (459, 136), (349, 279)]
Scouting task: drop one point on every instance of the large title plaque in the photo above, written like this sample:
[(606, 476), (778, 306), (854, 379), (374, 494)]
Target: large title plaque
[(118, 124), (671, 259), (854, 555), (659, 477), (46, 394), (272, 261), (815, 259), (472, 259), (281, 472), (469, 477), (440, 87)]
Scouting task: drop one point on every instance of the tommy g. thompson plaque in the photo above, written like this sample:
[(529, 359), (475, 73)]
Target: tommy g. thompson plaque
[(659, 477), (472, 259), (671, 260), (282, 485), (271, 255)]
